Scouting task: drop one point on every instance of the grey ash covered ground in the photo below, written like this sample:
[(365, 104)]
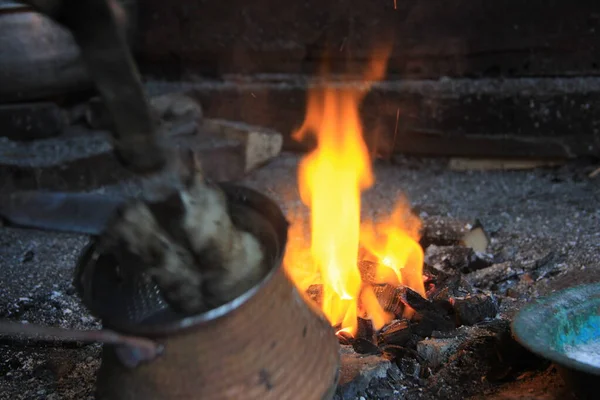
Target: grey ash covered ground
[(529, 214)]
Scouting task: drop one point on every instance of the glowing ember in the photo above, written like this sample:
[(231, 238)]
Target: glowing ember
[(331, 179)]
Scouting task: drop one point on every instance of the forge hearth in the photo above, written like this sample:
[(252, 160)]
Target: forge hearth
[(453, 335), (456, 322), (461, 364), (417, 293)]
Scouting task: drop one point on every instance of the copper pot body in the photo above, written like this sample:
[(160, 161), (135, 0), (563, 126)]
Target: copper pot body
[(272, 347), (269, 343)]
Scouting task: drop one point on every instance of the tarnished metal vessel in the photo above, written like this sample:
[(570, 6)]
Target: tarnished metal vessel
[(269, 343), (38, 57)]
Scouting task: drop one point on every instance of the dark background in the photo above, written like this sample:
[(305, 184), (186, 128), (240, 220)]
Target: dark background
[(465, 77), (432, 38)]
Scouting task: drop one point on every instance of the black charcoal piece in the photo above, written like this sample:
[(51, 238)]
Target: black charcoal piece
[(474, 309), (410, 367), (365, 329), (397, 333), (380, 388), (345, 338), (432, 316), (390, 298), (441, 285), (448, 258), (489, 277), (363, 346)]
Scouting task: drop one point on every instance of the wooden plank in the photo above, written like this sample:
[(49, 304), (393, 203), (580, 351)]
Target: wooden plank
[(502, 164), (489, 146), (543, 118), (430, 38)]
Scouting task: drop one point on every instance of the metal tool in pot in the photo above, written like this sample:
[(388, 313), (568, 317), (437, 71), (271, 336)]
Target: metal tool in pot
[(102, 40)]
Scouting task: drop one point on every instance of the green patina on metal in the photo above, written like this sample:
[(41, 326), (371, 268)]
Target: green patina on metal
[(577, 327), (569, 318)]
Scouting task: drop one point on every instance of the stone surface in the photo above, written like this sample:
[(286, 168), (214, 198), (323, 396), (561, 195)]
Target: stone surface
[(476, 308), (83, 159), (260, 144), (29, 121)]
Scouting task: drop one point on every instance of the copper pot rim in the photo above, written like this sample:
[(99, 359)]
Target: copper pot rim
[(235, 193), (197, 320)]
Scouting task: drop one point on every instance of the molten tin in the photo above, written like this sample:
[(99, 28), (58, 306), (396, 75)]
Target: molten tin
[(269, 343)]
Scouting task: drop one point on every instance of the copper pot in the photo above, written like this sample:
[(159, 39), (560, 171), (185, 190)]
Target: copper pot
[(269, 343), (39, 58)]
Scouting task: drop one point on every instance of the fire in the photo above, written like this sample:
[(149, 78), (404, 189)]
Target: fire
[(331, 179), (394, 242)]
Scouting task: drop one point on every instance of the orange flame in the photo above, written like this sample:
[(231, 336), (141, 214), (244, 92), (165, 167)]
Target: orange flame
[(331, 179), (394, 242)]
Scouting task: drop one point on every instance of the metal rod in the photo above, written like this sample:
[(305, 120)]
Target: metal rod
[(139, 349), (110, 64)]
